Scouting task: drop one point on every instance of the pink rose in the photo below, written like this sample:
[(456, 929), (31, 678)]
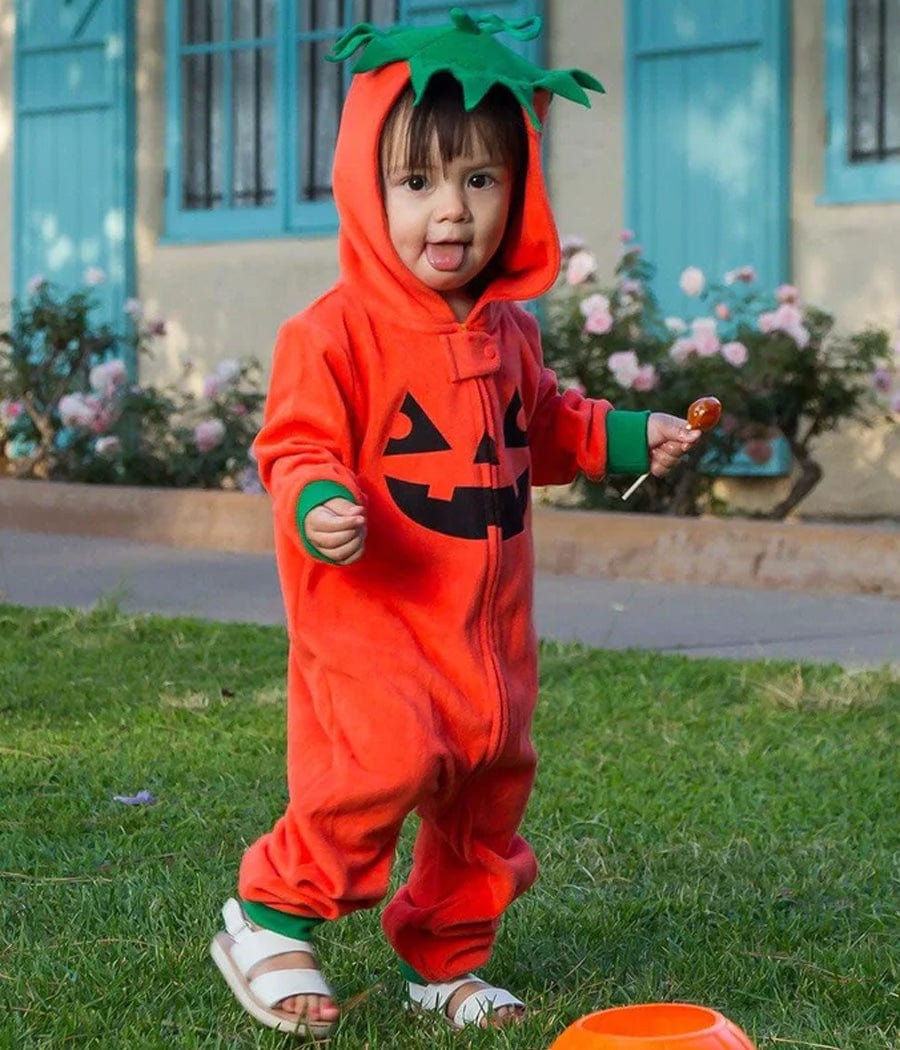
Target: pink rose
[(212, 387), (788, 318), (11, 409), (599, 322), (882, 380), (94, 275), (107, 446), (743, 273), (209, 434), (105, 377), (722, 312), (681, 350), (735, 353), (705, 336), (646, 378), (626, 236), (572, 243), (624, 366), (581, 266), (134, 309), (787, 293), (157, 327)]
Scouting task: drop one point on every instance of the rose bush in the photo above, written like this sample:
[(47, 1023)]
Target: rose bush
[(776, 364), (70, 410)]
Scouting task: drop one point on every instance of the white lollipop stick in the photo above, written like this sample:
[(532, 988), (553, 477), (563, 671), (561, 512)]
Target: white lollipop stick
[(633, 488)]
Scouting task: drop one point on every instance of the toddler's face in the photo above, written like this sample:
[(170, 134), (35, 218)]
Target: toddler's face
[(446, 222)]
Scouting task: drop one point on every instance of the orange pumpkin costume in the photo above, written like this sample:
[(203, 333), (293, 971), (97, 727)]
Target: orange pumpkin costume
[(413, 672)]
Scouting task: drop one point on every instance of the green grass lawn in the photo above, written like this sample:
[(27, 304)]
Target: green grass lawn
[(715, 832)]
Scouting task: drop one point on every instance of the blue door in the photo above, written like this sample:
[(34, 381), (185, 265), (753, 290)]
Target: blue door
[(73, 146), (707, 130)]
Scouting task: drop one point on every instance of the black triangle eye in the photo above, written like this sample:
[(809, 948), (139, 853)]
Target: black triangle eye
[(486, 451), (513, 435), (424, 436)]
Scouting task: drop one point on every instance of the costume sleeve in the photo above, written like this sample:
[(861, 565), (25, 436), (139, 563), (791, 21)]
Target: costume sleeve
[(306, 442), (569, 432)]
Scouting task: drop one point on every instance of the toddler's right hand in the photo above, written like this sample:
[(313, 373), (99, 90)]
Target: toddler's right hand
[(337, 529)]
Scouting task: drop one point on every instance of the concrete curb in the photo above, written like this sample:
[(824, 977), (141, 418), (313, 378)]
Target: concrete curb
[(714, 551)]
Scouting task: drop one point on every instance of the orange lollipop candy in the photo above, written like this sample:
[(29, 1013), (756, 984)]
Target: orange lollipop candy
[(702, 414)]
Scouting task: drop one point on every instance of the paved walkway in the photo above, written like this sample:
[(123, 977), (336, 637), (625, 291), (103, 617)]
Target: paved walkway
[(855, 630)]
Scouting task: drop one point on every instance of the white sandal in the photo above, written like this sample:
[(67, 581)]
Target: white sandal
[(475, 1009), (240, 948)]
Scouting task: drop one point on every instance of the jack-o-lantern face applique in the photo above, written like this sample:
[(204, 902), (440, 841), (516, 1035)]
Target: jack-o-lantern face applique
[(468, 512)]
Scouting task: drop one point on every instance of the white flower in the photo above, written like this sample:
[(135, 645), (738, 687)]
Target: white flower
[(134, 308), (107, 446), (580, 267), (692, 281), (93, 276), (743, 273), (675, 325)]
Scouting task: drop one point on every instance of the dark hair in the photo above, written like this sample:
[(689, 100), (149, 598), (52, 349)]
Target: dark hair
[(497, 120)]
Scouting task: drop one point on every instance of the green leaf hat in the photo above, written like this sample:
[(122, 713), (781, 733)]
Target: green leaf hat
[(468, 50)]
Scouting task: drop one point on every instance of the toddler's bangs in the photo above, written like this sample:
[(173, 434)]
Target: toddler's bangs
[(495, 124)]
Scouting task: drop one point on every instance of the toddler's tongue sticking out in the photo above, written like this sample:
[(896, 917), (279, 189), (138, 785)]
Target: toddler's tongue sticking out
[(445, 256)]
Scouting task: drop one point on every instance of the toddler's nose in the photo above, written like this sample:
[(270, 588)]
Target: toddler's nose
[(451, 204)]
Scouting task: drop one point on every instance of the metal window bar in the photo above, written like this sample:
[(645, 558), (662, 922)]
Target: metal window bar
[(317, 82), (200, 149), (881, 150)]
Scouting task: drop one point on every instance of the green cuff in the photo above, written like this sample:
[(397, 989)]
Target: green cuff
[(409, 974), (300, 927), (314, 495), (626, 442)]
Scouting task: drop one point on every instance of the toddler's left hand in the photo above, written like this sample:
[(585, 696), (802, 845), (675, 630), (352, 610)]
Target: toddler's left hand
[(668, 439)]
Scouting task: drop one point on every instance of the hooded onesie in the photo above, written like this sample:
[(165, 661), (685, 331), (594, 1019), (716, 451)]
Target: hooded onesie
[(412, 673)]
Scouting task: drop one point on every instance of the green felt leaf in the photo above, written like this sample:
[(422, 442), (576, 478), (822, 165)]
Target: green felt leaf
[(468, 50)]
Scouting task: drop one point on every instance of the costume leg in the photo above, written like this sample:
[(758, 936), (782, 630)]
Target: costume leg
[(360, 759), (469, 864)]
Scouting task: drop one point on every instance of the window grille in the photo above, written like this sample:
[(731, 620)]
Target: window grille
[(874, 54)]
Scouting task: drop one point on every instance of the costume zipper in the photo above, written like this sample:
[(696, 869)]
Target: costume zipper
[(495, 552)]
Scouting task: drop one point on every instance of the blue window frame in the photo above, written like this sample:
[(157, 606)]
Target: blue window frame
[(252, 112), (862, 161), (253, 109)]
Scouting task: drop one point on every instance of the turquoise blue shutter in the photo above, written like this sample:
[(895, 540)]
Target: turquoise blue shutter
[(73, 158), (707, 128)]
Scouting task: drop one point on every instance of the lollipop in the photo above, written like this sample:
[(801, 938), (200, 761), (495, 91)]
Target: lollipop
[(703, 414)]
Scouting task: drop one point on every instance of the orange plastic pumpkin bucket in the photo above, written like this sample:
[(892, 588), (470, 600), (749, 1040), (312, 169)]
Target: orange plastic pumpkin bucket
[(654, 1026)]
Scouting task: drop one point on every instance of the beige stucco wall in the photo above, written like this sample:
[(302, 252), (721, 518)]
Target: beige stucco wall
[(7, 27), (586, 147)]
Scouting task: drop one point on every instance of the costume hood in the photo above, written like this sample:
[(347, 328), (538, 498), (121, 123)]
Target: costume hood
[(529, 256)]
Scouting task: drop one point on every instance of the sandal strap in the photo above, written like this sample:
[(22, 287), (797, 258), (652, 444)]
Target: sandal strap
[(255, 946), (472, 1010), (272, 988), (481, 1003), (436, 996)]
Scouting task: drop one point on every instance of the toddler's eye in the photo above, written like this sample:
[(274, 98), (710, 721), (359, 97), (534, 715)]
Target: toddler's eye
[(415, 182), (481, 181)]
